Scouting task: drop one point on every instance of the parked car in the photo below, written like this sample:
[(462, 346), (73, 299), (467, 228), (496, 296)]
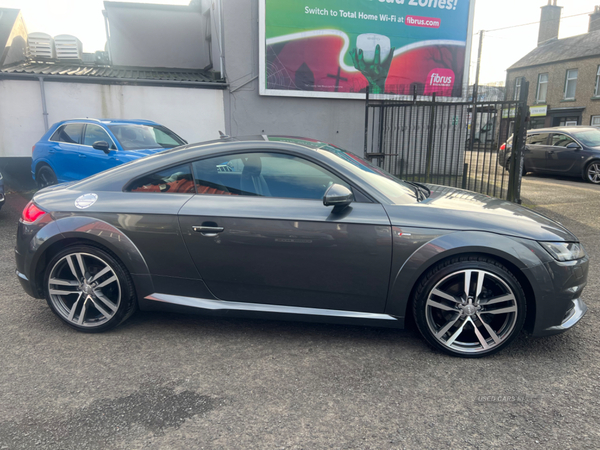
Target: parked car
[(2, 198), (301, 230), (75, 149), (504, 153), (570, 151)]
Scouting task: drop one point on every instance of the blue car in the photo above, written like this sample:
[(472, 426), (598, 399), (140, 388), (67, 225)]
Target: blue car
[(75, 149)]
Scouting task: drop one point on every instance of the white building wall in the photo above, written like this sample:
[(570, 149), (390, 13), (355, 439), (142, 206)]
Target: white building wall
[(194, 114)]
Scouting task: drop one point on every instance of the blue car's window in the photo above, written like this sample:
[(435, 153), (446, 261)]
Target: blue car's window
[(137, 137), (263, 174), (174, 180), (69, 133), (94, 133)]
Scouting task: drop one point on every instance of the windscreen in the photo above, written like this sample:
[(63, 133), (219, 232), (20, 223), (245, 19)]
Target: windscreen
[(138, 137), (393, 188), (589, 138)]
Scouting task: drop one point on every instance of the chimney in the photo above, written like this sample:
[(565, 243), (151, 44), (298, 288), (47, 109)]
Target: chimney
[(549, 22), (595, 19)]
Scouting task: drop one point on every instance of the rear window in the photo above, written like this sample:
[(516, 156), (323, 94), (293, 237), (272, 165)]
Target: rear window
[(174, 180), (69, 133), (537, 139)]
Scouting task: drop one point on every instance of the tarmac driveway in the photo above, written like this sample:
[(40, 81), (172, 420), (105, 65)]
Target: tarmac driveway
[(174, 381)]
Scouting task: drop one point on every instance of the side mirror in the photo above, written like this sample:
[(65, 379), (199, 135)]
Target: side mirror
[(338, 195), (573, 146), (101, 145)]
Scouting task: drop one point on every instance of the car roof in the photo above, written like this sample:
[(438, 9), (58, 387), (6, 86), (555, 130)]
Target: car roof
[(110, 121), (571, 129), (115, 178)]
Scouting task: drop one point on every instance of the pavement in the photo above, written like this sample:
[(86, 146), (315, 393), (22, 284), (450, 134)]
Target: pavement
[(168, 381)]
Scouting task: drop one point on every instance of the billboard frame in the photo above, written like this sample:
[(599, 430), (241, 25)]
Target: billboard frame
[(346, 95)]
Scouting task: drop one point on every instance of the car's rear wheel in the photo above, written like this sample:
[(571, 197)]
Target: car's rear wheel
[(45, 177), (524, 171), (469, 306), (592, 172), (89, 289)]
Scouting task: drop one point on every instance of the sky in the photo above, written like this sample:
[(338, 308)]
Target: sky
[(501, 48)]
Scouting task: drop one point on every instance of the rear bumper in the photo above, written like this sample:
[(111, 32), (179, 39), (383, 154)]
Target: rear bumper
[(25, 284)]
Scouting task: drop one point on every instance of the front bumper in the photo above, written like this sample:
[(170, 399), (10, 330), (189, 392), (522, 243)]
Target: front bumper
[(573, 316)]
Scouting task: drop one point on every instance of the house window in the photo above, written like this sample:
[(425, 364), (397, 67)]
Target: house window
[(571, 84), (517, 88), (542, 88), (597, 89), (595, 121)]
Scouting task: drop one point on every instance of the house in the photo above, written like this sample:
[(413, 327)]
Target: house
[(563, 74)]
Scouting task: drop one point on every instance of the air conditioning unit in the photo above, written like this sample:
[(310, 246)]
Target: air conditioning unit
[(68, 47), (40, 45)]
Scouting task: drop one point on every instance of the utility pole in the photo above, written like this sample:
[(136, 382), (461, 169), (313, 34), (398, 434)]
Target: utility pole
[(476, 85)]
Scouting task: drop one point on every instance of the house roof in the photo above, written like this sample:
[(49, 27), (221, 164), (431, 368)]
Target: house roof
[(73, 72), (576, 47)]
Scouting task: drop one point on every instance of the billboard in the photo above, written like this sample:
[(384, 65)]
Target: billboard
[(338, 48)]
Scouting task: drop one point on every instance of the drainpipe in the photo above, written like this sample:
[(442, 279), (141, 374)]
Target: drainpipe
[(44, 109)]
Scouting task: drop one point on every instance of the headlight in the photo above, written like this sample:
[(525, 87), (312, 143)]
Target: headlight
[(564, 251)]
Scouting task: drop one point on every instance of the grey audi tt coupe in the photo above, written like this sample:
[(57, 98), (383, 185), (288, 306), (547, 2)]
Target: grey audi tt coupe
[(297, 229)]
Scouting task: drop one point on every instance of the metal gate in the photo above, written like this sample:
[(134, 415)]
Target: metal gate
[(459, 144)]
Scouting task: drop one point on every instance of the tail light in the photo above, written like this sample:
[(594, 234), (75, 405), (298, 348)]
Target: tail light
[(31, 213), (503, 146), (32, 149)]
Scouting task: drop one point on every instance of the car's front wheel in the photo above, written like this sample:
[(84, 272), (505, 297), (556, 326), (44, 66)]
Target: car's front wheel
[(469, 306), (45, 177), (592, 172), (89, 289)]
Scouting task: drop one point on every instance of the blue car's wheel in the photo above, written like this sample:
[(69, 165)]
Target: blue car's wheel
[(45, 177)]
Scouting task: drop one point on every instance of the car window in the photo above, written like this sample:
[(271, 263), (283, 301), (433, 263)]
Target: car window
[(95, 133), (537, 139), (165, 140), (561, 140), (69, 133), (174, 180), (263, 174)]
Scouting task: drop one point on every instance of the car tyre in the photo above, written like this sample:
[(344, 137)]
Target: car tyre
[(89, 289), (592, 172), (45, 177), (470, 324)]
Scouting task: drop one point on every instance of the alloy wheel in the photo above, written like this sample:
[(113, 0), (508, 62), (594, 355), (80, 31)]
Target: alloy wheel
[(471, 311), (84, 289), (46, 177), (593, 172)]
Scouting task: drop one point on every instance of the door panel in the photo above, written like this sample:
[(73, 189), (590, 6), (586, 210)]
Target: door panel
[(535, 151), (64, 146), (290, 251), (558, 157)]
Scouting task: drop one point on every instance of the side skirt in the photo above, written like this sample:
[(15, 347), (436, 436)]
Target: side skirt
[(259, 310)]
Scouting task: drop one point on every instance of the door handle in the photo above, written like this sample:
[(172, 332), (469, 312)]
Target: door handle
[(81, 155), (207, 231)]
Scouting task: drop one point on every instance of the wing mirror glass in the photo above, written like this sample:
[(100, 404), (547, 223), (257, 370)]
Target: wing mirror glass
[(101, 145), (338, 195), (573, 146)]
